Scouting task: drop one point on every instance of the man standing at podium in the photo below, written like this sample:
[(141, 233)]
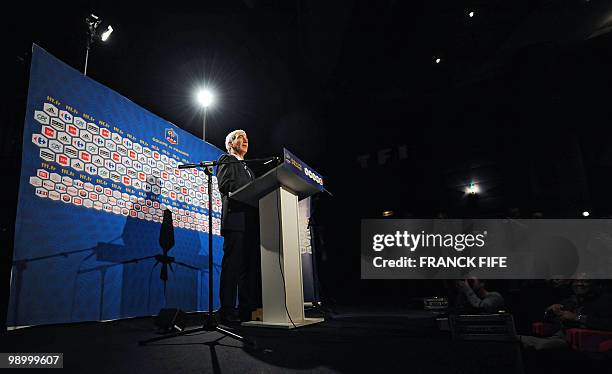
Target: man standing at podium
[(239, 230)]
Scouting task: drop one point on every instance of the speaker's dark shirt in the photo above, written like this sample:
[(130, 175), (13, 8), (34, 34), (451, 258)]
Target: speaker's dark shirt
[(230, 178)]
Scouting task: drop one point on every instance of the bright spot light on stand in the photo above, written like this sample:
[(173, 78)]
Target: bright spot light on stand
[(205, 98), (106, 33), (471, 14), (585, 214), (438, 60), (387, 213)]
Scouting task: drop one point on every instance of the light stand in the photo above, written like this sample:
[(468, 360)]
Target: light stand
[(205, 99), (204, 123), (92, 22)]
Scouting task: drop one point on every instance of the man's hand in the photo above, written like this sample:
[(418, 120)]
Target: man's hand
[(567, 316), (556, 308)]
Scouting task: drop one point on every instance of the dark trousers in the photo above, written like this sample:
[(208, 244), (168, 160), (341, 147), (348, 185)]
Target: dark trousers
[(241, 272), (234, 271)]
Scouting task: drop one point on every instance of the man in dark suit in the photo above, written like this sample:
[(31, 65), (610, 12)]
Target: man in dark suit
[(239, 229)]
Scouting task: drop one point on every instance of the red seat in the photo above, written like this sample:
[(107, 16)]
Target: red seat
[(588, 340), (605, 346), (584, 340)]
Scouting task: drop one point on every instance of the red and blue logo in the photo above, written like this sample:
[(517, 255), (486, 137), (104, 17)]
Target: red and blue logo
[(171, 136)]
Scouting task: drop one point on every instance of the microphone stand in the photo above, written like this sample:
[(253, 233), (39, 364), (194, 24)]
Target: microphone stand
[(211, 323)]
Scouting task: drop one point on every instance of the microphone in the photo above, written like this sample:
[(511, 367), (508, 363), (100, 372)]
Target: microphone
[(274, 158), (265, 161), (201, 164)]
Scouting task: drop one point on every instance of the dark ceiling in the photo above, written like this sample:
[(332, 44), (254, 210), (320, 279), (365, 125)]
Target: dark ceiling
[(334, 81)]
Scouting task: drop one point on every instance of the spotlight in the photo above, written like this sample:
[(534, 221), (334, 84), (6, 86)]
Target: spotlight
[(438, 60), (387, 213), (93, 25), (472, 189), (471, 14), (586, 213), (106, 34), (205, 98)]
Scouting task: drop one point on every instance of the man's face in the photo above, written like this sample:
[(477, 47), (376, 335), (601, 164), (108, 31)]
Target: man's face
[(240, 144)]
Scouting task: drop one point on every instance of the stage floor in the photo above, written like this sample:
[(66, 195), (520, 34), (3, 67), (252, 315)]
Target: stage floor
[(354, 340)]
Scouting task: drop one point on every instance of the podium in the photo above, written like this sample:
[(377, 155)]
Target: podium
[(276, 194)]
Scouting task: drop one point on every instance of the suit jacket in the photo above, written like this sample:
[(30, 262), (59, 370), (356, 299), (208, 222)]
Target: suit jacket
[(230, 178)]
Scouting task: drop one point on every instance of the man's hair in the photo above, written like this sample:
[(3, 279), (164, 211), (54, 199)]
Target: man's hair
[(230, 138)]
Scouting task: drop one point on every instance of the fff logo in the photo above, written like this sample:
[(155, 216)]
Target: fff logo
[(171, 136)]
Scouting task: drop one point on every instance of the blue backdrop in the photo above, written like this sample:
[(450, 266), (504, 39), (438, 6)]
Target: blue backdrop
[(97, 173)]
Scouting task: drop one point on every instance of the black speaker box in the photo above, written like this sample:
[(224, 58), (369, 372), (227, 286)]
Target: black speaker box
[(171, 319)]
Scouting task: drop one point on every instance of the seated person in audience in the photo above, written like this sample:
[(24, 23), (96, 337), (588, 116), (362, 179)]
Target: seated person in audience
[(586, 308), (473, 295)]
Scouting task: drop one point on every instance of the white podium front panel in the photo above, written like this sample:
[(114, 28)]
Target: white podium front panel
[(280, 249)]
